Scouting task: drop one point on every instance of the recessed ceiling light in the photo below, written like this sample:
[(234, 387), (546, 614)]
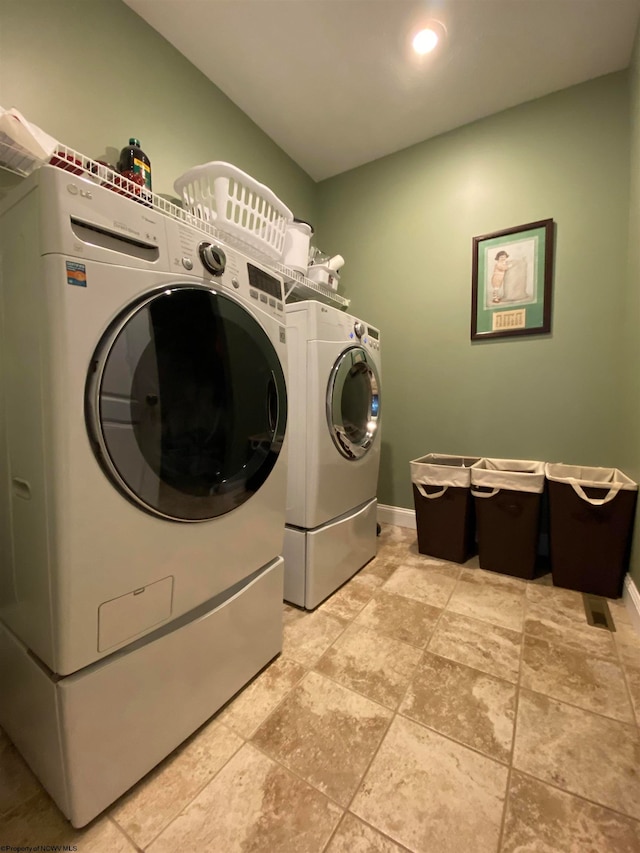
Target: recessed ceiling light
[(425, 41)]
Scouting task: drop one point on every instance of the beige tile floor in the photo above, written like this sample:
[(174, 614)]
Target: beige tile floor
[(425, 706)]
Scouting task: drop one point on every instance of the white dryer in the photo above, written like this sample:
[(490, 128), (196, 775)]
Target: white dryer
[(142, 482), (334, 449)]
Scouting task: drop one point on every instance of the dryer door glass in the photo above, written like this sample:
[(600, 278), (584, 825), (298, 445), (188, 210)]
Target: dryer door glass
[(353, 403), (186, 403)]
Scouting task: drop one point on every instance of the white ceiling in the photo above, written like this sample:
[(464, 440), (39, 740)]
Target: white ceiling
[(335, 84)]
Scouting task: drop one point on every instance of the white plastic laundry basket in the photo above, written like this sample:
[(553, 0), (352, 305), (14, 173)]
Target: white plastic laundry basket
[(237, 204)]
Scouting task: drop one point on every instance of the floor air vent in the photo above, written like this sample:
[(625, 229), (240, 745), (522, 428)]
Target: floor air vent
[(597, 611)]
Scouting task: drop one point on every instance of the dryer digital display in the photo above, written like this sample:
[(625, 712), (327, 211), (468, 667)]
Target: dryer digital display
[(263, 281)]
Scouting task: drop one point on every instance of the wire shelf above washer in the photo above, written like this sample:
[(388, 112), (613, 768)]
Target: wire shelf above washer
[(297, 286)]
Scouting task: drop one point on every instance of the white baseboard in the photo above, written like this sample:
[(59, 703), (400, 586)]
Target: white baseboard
[(396, 515), (631, 598)]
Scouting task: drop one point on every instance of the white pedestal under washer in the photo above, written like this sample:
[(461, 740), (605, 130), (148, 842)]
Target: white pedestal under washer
[(142, 482), (334, 449)]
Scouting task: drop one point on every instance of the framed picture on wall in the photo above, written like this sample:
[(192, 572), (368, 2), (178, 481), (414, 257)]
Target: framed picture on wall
[(511, 281)]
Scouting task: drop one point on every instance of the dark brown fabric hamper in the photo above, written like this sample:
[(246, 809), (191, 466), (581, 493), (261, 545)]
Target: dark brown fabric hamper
[(508, 498), (591, 515), (445, 519)]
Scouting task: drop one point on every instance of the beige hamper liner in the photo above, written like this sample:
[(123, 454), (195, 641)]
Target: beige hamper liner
[(439, 469), (580, 478), (519, 475)]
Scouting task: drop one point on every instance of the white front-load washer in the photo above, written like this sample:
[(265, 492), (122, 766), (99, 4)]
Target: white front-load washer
[(142, 482), (334, 449)]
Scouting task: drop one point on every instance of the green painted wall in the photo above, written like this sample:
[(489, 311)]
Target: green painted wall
[(92, 74), (630, 449), (405, 225)]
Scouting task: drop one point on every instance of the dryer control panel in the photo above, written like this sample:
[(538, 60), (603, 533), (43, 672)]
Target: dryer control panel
[(213, 261), (363, 334), (372, 337), (326, 323)]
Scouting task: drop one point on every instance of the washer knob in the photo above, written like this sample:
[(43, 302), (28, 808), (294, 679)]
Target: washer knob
[(358, 328), (213, 258)]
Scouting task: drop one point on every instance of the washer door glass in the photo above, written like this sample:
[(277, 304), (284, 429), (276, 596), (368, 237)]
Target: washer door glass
[(186, 403), (353, 403)]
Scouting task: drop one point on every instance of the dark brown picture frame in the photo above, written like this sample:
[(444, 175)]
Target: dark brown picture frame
[(511, 285)]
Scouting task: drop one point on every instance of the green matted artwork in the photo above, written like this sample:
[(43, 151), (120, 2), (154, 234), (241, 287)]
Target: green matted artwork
[(511, 281)]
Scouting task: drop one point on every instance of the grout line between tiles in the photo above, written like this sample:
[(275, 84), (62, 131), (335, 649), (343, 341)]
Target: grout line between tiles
[(344, 687), (335, 830), (518, 683), (452, 739), (571, 648), (341, 589), (123, 832), (405, 715), (8, 813), (355, 690), (566, 645), (370, 826), (307, 669), (635, 712), (297, 775), (424, 649), (599, 714), (307, 672), (484, 672), (558, 787), (368, 767), (615, 664), (212, 721), (581, 797), (507, 764), (393, 717), (505, 809), (306, 782), (247, 738)]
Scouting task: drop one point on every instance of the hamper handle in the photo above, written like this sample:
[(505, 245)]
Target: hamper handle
[(595, 501), (490, 494), (426, 494)]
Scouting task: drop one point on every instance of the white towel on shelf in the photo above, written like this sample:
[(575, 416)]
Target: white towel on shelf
[(23, 145)]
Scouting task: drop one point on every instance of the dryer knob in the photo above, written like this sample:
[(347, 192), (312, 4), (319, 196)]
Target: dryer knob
[(358, 328), (213, 258)]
